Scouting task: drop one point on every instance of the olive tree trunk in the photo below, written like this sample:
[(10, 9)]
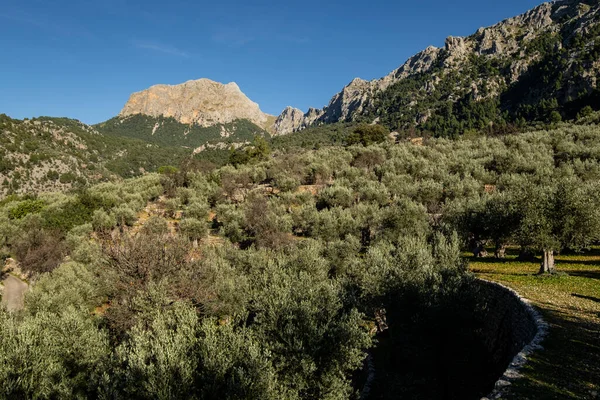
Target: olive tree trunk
[(547, 266), (500, 251)]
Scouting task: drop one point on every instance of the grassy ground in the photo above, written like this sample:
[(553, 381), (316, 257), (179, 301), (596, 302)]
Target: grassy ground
[(569, 365)]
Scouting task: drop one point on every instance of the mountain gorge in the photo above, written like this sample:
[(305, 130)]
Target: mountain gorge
[(538, 66)]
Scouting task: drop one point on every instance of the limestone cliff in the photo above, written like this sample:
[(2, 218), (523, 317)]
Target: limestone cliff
[(201, 102)]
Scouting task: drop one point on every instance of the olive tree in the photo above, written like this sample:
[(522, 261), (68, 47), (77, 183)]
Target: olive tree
[(193, 229), (558, 215)]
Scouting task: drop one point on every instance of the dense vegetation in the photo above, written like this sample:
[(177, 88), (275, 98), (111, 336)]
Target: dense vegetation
[(49, 154), (325, 264), (169, 132), (274, 278)]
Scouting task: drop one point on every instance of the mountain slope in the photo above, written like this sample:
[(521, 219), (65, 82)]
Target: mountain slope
[(167, 131), (542, 65), (56, 154), (198, 115)]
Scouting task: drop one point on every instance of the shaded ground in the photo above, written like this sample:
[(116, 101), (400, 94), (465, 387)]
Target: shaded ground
[(569, 365), (14, 292)]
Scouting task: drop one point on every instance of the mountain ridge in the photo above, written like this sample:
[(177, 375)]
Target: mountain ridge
[(505, 43)]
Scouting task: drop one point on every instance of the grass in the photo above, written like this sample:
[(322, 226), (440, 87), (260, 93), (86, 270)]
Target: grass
[(568, 367)]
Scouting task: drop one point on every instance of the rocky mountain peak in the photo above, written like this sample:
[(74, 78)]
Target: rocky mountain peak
[(290, 120), (202, 102)]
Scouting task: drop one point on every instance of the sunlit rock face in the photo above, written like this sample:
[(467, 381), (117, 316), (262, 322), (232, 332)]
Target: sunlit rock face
[(202, 102)]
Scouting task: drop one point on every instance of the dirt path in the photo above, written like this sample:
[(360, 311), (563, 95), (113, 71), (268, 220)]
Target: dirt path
[(14, 292)]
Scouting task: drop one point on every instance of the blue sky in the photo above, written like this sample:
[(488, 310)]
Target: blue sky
[(82, 59)]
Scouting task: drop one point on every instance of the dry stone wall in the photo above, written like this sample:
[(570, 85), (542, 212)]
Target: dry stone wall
[(512, 330)]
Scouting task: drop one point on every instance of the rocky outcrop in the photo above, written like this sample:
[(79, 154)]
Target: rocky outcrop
[(420, 62), (290, 120), (507, 40), (351, 100), (356, 96), (201, 102)]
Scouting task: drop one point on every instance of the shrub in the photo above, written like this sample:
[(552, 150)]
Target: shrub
[(156, 225), (67, 177), (197, 209), (335, 196), (102, 221), (40, 251), (52, 175), (193, 229), (124, 215), (26, 207), (369, 134)]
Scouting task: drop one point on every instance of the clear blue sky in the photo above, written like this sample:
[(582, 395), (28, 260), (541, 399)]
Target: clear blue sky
[(83, 58)]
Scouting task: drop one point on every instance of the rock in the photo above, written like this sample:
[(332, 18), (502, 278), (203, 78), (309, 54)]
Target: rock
[(290, 120), (455, 45), (358, 94), (202, 102), (351, 100), (419, 63), (312, 116)]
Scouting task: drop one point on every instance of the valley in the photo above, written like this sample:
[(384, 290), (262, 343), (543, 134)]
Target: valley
[(432, 234)]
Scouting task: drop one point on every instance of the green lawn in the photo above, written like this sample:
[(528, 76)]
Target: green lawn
[(569, 365)]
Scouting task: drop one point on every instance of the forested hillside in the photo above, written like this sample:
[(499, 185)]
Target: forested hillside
[(169, 132), (56, 154), (274, 278)]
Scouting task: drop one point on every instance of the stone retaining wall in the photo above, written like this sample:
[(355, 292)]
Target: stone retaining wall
[(512, 330)]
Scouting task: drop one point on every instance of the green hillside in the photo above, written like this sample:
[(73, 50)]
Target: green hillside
[(549, 78), (276, 278), (48, 154), (169, 132)]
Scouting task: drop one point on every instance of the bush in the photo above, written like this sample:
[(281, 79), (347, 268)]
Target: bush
[(102, 221), (40, 251), (156, 225), (335, 196), (67, 177), (65, 216), (52, 175), (124, 215), (369, 134), (193, 229), (287, 183), (26, 207), (197, 209)]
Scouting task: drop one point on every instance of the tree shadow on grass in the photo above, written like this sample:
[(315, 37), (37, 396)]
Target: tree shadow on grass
[(490, 260), (596, 299), (586, 274), (569, 365), (595, 263)]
